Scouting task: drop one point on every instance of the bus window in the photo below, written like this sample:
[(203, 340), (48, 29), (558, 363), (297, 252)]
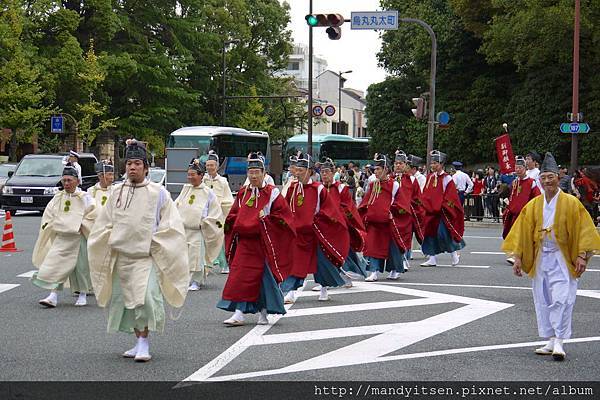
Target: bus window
[(202, 143)]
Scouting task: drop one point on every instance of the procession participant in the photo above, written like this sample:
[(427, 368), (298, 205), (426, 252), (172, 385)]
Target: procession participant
[(386, 214), (268, 178), (203, 221), (59, 251), (258, 232), (322, 239), (291, 178), (73, 160), (552, 241), (106, 176), (415, 172), (138, 255), (418, 212), (444, 219), (462, 181), (339, 194), (523, 190), (533, 161), (220, 186)]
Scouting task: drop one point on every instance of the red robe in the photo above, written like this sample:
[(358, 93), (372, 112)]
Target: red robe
[(413, 191), (339, 194), (386, 216), (326, 228), (252, 239), (523, 190), (442, 206)]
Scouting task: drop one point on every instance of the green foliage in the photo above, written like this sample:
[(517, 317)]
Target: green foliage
[(253, 118), (498, 61)]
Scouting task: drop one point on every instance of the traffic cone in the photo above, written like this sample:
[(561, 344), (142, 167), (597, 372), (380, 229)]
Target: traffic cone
[(8, 239)]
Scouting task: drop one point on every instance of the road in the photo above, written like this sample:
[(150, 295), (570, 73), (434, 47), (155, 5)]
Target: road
[(470, 322)]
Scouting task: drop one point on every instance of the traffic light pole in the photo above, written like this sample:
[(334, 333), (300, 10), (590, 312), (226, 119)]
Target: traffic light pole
[(574, 136), (431, 119), (310, 81)]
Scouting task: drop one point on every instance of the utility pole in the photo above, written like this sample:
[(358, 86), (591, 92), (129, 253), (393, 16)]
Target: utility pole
[(574, 136), (310, 81), (339, 129), (431, 119), (223, 104)]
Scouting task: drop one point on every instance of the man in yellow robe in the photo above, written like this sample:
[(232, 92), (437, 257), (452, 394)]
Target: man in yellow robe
[(203, 221), (59, 252), (552, 241), (138, 254), (220, 186)]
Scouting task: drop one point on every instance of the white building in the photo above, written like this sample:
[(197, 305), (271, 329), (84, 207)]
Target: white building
[(353, 120), (298, 66)]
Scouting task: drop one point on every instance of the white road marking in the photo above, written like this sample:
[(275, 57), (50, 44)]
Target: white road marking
[(483, 237), (387, 339), (28, 274), (3, 214), (459, 266), (7, 286), (489, 252)]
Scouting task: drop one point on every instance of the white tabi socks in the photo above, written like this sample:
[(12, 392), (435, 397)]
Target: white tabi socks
[(323, 296), (432, 262), (262, 317), (372, 277), (547, 349), (81, 300), (237, 319), (143, 350), (558, 353), (51, 301), (290, 297), (455, 258)]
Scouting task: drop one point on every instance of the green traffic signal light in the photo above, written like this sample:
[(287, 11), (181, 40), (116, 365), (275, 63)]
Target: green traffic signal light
[(311, 20)]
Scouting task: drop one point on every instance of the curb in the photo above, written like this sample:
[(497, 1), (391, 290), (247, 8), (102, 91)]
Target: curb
[(483, 224)]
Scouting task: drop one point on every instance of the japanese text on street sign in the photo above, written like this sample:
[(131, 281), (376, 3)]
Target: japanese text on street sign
[(374, 20), (506, 158)]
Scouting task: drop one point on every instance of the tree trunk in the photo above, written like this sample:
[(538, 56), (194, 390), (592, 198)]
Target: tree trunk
[(12, 155)]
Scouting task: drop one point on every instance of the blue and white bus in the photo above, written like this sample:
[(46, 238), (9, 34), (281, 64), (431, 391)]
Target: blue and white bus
[(231, 144)]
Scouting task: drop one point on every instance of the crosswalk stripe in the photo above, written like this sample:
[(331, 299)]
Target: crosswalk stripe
[(27, 274)]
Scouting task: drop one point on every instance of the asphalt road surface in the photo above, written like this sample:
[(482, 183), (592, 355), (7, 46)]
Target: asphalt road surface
[(474, 321)]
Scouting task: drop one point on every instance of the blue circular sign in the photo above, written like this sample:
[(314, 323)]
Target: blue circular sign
[(574, 127), (443, 118), (329, 110), (317, 111)]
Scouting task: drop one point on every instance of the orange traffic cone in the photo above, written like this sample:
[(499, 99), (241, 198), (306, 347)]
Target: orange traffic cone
[(8, 239)]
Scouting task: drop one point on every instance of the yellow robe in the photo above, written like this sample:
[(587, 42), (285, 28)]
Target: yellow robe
[(136, 232), (573, 228), (203, 221), (220, 186), (57, 247)]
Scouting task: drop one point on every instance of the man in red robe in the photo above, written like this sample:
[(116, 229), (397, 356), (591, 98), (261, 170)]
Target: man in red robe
[(409, 188), (338, 193), (524, 189), (322, 239), (387, 217), (444, 215), (258, 231)]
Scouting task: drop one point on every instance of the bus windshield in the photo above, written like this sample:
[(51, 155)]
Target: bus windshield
[(345, 150), (239, 146), (202, 143)]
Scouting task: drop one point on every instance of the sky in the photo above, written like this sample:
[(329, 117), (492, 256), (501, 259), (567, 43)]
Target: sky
[(356, 50)]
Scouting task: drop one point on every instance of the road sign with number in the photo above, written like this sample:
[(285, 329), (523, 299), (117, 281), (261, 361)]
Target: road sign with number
[(329, 110), (574, 127), (383, 20), (56, 123)]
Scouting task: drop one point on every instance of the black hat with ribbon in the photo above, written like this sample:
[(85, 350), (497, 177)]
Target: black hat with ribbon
[(213, 156), (438, 156), (103, 167), (70, 170), (327, 163), (400, 156), (135, 151), (381, 160), (196, 165), (305, 160), (520, 160), (256, 160), (549, 164), (414, 161)]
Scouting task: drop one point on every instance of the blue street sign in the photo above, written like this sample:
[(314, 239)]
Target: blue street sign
[(317, 111), (329, 110), (443, 118), (56, 123), (383, 20), (574, 127)]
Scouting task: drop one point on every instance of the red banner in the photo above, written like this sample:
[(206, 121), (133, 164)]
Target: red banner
[(506, 158)]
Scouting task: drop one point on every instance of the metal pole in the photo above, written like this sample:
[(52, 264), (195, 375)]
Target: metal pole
[(310, 81), (339, 129), (431, 119), (574, 136), (223, 99)]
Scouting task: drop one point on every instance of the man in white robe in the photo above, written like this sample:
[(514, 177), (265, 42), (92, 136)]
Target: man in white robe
[(138, 255), (59, 252), (203, 221), (106, 176), (552, 240), (220, 186)]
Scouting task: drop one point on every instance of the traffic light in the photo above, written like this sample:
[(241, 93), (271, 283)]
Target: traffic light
[(420, 105), (331, 21)]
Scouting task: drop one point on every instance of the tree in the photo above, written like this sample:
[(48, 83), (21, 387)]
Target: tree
[(253, 118)]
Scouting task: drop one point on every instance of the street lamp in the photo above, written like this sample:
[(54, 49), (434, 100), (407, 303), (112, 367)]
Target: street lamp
[(225, 43), (339, 129)]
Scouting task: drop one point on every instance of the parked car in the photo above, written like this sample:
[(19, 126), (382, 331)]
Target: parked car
[(37, 178), (155, 174), (4, 170)]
